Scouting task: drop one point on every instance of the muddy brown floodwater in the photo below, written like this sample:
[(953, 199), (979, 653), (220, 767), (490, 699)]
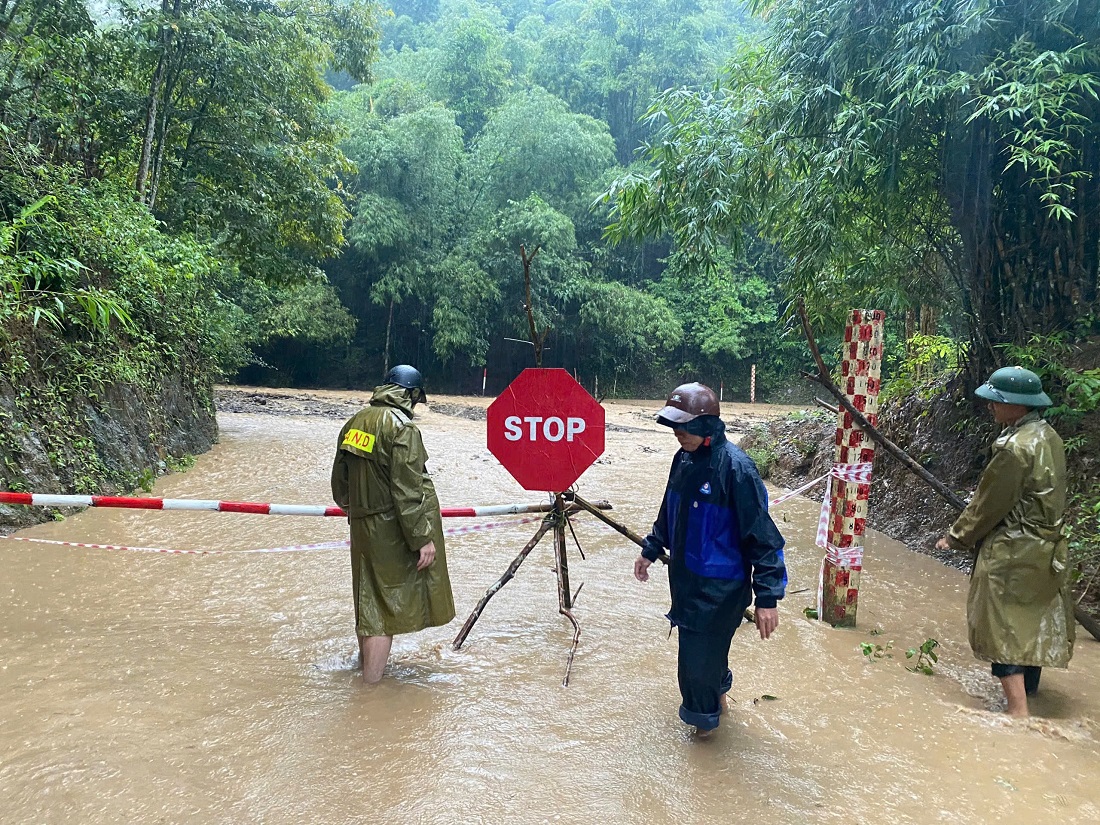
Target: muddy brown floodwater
[(147, 688)]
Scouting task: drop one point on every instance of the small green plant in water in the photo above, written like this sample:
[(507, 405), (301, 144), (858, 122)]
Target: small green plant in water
[(147, 479), (181, 464), (810, 612), (873, 652), (925, 655)]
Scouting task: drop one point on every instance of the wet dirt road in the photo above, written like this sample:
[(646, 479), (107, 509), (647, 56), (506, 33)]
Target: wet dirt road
[(154, 688)]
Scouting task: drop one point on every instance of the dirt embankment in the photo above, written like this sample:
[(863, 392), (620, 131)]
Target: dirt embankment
[(328, 403), (946, 433), (105, 440), (901, 505), (288, 402)]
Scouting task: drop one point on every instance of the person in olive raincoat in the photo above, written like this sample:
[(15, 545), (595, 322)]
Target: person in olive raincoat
[(398, 561), (724, 551), (1019, 609)]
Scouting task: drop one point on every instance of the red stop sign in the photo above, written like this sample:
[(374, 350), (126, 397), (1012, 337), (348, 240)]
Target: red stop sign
[(545, 429)]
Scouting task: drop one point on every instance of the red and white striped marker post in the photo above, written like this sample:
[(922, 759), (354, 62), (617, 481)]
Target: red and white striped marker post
[(844, 521), (752, 385)]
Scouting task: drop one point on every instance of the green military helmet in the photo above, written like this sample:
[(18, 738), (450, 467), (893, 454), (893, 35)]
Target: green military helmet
[(1014, 385)]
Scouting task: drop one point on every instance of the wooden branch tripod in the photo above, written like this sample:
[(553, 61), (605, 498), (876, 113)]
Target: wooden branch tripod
[(557, 519)]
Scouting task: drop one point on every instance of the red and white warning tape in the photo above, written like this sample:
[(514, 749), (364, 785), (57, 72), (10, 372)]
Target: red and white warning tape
[(859, 473), (253, 507), (323, 545), (854, 474), (113, 546), (789, 495)]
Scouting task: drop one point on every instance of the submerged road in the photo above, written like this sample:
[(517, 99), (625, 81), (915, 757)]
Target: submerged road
[(222, 688)]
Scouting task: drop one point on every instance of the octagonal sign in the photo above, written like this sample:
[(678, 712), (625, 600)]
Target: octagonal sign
[(545, 429)]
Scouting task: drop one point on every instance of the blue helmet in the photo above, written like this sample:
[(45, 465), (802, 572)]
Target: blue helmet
[(408, 377)]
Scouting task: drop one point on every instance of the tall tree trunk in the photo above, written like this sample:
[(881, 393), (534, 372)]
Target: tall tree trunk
[(162, 133), (150, 128), (929, 319), (386, 349), (164, 39), (537, 338)]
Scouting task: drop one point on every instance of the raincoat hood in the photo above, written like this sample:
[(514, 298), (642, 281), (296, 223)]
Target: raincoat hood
[(392, 395)]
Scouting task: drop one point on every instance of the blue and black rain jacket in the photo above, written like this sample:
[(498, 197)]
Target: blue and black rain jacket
[(724, 548)]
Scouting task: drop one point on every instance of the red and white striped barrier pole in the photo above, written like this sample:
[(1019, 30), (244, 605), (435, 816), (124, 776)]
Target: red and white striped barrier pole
[(253, 507)]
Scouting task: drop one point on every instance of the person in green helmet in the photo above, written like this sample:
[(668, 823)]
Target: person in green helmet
[(1019, 610), (398, 562)]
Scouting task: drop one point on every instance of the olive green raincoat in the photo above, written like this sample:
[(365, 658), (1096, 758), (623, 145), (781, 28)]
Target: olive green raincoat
[(379, 479), (1019, 608)]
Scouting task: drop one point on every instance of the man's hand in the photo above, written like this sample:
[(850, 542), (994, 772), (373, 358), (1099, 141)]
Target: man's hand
[(641, 568), (943, 544), (427, 556), (767, 620)]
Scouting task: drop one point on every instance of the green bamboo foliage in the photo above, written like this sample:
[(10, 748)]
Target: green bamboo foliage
[(925, 151)]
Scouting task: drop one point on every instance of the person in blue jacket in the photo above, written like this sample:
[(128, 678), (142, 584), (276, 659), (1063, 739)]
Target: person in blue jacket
[(724, 550)]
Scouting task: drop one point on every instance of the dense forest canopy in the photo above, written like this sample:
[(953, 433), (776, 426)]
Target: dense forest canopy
[(496, 126), (314, 190), (168, 172), (900, 153)]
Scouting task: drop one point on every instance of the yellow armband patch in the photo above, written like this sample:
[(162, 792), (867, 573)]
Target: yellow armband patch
[(359, 440)]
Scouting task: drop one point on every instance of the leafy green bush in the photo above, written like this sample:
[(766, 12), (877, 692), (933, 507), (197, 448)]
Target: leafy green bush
[(35, 287), (926, 361), (1074, 392), (763, 453), (1084, 537)]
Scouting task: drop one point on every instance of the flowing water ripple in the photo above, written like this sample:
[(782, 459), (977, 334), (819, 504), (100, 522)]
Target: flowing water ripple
[(213, 689)]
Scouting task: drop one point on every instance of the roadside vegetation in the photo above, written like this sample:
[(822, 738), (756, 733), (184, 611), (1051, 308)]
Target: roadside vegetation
[(167, 191)]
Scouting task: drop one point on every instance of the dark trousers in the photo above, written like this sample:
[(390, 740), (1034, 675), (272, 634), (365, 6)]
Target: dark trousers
[(1031, 675), (703, 672)]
